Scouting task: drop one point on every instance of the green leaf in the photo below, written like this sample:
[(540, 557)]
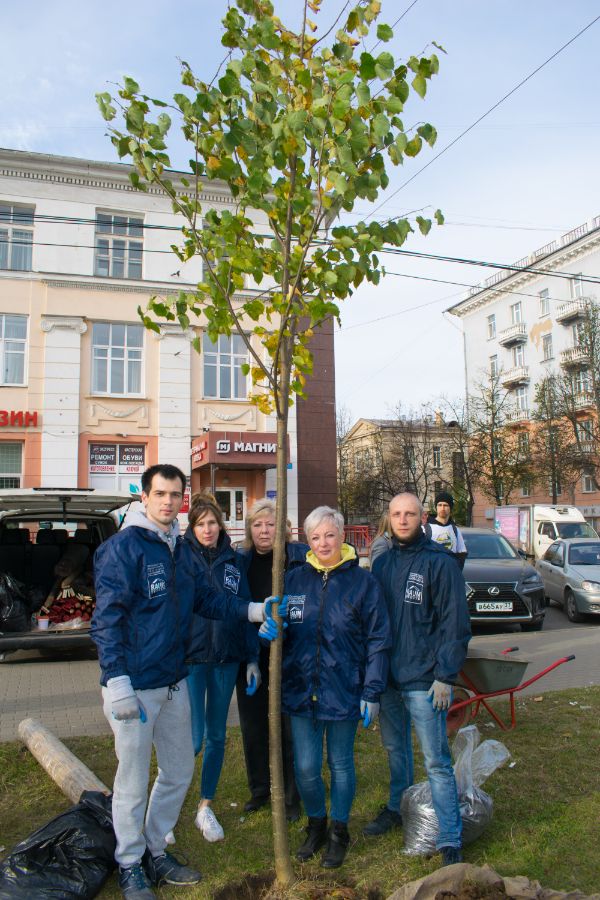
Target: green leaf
[(414, 146), (424, 225), (134, 118), (439, 217), (363, 94), (384, 32), (367, 67), (131, 86), (420, 85), (384, 65)]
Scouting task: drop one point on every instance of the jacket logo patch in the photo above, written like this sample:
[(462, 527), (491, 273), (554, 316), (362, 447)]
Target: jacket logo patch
[(296, 609), (231, 578), (156, 569), (414, 588), (157, 585)]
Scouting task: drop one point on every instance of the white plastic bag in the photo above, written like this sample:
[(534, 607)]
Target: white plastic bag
[(473, 763)]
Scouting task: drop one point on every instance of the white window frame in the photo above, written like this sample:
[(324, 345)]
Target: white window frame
[(576, 283), (218, 357), (131, 353), (516, 313), (13, 341), (526, 488), (581, 382), (547, 347), (16, 235), (587, 483), (518, 355), (523, 443), (585, 430), (119, 241), (544, 302), (521, 399), (437, 457), (494, 367), (10, 474), (578, 333), (491, 326), (558, 487)]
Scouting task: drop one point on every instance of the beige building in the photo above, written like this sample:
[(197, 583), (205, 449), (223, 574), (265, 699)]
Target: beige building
[(89, 397)]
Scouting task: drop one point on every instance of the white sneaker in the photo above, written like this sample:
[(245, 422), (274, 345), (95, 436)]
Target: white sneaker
[(170, 838), (208, 824)]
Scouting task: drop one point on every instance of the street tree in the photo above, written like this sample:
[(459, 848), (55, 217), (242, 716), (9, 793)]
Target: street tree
[(556, 455), (455, 412), (300, 125)]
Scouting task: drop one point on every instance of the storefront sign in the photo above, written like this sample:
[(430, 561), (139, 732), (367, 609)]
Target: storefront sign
[(9, 418), (132, 458), (198, 453), (236, 449), (127, 459), (103, 458)]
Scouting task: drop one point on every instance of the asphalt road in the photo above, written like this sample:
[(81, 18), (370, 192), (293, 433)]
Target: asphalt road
[(64, 691)]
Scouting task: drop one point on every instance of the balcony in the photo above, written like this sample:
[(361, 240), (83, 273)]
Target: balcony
[(574, 309), (518, 416), (514, 334), (584, 450), (574, 357), (514, 376), (583, 401)]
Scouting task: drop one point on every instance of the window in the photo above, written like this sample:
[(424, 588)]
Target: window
[(13, 340), (491, 327), (223, 377), (523, 443), (117, 358), (11, 461), (118, 246), (437, 487), (577, 286), (496, 448), (116, 467), (581, 382), (16, 236), (555, 484), (437, 457), (362, 459), (588, 482), (544, 302), (518, 355), (526, 488), (547, 349), (585, 430), (516, 313), (494, 366), (578, 332), (521, 399)]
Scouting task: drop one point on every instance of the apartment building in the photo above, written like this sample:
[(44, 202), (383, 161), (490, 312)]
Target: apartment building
[(524, 323), (88, 396)]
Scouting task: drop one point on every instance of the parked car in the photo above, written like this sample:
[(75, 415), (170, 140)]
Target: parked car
[(570, 570), (47, 541), (502, 587)]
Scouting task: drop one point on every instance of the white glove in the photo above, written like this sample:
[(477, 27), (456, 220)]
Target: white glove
[(369, 711), (442, 695), (256, 612), (123, 698), (252, 671)]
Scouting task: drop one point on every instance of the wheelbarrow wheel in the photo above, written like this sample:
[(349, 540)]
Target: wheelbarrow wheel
[(455, 719)]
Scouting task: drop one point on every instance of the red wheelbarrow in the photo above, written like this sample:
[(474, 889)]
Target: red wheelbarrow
[(485, 675)]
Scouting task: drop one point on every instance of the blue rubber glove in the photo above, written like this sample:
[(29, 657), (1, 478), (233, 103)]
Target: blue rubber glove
[(268, 630), (281, 606), (253, 678), (369, 711)]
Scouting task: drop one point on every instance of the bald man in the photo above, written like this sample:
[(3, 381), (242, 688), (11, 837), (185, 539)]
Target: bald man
[(425, 595)]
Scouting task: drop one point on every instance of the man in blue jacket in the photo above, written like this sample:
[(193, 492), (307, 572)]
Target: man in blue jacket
[(148, 584), (425, 594)]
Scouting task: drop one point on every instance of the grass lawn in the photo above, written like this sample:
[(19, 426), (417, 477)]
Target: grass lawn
[(545, 825)]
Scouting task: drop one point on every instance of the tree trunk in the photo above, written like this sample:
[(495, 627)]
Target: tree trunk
[(281, 846)]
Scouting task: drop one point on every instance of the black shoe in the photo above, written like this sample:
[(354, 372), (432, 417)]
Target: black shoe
[(382, 823), (316, 837), (255, 803), (134, 883), (165, 869), (451, 855), (337, 846), (293, 812)]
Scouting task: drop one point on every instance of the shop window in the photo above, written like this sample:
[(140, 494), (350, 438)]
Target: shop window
[(116, 467), (13, 343), (117, 358), (11, 465), (223, 361), (16, 237), (119, 246)]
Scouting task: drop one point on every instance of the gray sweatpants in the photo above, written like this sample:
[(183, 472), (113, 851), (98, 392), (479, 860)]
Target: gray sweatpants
[(168, 727)]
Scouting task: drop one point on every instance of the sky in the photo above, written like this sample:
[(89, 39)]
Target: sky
[(520, 178)]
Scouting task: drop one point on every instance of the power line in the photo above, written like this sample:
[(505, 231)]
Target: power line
[(399, 19), (485, 114)]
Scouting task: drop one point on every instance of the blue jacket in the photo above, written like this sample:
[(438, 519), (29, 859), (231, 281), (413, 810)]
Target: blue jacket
[(426, 599), (336, 644), (222, 641), (145, 596)]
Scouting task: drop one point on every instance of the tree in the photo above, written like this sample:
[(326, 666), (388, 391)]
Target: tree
[(554, 457), (342, 427), (299, 127), (498, 460), (464, 474)]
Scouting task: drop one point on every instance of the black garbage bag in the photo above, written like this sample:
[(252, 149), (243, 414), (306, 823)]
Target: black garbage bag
[(69, 858), (14, 607)]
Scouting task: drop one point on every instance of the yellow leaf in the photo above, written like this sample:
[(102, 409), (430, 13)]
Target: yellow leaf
[(212, 163)]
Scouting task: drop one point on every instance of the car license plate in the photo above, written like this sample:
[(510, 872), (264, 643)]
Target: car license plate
[(494, 606)]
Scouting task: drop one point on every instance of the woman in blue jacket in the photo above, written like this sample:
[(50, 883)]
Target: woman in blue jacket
[(335, 666), (216, 649)]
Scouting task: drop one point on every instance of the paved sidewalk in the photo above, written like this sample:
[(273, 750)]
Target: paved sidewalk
[(65, 695)]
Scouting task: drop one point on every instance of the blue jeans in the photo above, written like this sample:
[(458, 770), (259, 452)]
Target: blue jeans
[(210, 687), (307, 735), (398, 708)]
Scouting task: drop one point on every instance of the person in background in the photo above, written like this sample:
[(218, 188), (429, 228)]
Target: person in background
[(442, 529), (382, 540), (257, 553), (425, 596), (217, 648), (147, 588), (335, 666)]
